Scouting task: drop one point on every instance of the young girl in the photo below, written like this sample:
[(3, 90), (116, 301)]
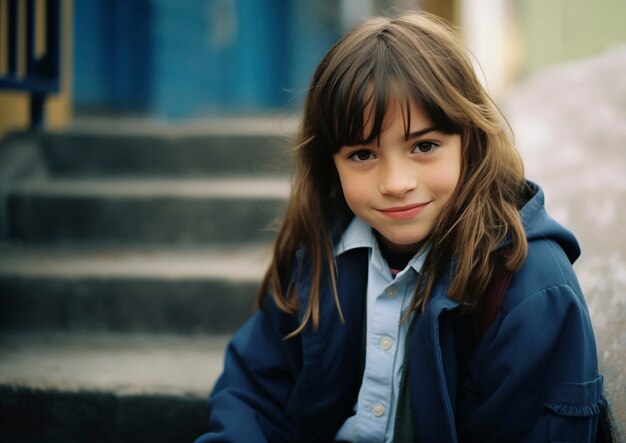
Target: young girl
[(418, 290)]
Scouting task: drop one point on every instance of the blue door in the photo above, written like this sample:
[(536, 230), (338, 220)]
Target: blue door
[(178, 59)]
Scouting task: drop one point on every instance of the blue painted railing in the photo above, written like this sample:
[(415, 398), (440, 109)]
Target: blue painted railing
[(42, 73)]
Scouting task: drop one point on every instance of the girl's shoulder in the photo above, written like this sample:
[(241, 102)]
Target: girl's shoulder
[(547, 272), (552, 249)]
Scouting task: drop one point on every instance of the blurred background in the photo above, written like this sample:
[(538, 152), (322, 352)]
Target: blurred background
[(144, 152), (205, 58)]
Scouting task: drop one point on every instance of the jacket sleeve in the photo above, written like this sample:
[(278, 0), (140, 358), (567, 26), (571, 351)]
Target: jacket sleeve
[(249, 399), (536, 378)]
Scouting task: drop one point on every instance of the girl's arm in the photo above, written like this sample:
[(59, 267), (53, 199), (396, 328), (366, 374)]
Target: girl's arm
[(538, 378), (249, 399)]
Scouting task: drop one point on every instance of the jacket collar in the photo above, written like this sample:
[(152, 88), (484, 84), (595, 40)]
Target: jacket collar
[(330, 374)]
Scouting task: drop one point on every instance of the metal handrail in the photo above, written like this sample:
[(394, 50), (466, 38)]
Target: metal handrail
[(42, 76)]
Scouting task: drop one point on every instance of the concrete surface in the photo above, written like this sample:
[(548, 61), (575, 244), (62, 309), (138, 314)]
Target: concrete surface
[(232, 187), (137, 211), (240, 262), (74, 388), (124, 364), (116, 149), (149, 288)]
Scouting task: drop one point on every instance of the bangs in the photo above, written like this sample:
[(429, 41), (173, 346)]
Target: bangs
[(362, 86)]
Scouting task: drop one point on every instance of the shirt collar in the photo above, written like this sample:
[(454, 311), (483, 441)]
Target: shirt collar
[(359, 234)]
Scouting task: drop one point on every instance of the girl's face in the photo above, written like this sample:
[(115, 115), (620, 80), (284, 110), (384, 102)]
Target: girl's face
[(400, 187)]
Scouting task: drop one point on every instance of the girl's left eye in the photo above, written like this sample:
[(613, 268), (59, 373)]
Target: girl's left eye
[(425, 147)]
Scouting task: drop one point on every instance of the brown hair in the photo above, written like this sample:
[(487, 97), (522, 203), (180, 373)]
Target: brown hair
[(421, 55)]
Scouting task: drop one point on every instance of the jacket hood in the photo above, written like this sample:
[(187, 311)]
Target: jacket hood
[(540, 226)]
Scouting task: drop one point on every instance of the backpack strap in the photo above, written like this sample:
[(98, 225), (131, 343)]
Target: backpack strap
[(497, 288), (480, 322)]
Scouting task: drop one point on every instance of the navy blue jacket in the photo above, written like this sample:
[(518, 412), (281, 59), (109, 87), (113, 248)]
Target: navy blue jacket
[(533, 375)]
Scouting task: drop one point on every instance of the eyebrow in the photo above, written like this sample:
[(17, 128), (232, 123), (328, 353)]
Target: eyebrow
[(421, 132)]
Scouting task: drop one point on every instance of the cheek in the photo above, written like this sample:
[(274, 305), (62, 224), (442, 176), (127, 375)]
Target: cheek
[(443, 181), (448, 174), (352, 192), (346, 182)]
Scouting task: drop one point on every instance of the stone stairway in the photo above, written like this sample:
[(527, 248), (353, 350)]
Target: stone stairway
[(130, 254)]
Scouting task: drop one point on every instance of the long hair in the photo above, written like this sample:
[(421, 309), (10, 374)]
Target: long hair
[(420, 55)]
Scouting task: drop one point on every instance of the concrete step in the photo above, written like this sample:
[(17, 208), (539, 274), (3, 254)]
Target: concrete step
[(119, 147), (106, 388), (135, 211), (147, 288)]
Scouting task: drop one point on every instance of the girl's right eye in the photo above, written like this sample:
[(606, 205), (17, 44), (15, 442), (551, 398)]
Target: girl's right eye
[(361, 156)]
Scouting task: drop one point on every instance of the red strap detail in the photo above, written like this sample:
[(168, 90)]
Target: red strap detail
[(497, 288)]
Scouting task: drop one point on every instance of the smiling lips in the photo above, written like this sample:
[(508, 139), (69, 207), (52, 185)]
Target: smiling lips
[(404, 212)]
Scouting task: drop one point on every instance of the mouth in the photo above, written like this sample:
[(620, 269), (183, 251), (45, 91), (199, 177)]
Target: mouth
[(404, 212)]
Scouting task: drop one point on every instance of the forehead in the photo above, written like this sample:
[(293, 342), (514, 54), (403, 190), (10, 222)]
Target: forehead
[(399, 111), (395, 112)]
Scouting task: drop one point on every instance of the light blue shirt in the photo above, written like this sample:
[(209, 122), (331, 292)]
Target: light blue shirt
[(388, 299)]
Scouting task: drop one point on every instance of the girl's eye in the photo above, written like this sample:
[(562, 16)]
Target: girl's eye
[(425, 147), (362, 156)]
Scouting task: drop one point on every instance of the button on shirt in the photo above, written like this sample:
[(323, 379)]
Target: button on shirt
[(388, 299)]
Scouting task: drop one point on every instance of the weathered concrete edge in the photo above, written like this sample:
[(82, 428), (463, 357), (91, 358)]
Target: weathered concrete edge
[(615, 428), (117, 390), (35, 413), (614, 414), (610, 338)]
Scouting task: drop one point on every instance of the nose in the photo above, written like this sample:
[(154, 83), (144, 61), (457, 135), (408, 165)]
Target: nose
[(397, 178)]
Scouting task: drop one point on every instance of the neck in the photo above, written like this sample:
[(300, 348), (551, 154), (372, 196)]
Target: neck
[(397, 257)]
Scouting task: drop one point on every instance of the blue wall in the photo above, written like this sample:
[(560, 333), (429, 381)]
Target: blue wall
[(177, 59)]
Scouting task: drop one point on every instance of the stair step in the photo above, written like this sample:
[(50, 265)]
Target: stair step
[(233, 187), (136, 211), (149, 288), (162, 150), (106, 387)]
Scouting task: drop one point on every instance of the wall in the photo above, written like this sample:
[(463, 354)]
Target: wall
[(560, 30)]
